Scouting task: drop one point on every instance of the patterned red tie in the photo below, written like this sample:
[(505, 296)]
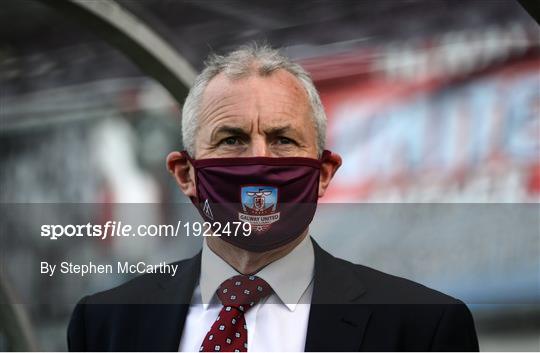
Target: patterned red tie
[(229, 332)]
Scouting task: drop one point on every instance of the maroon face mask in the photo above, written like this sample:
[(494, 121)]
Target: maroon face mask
[(276, 196)]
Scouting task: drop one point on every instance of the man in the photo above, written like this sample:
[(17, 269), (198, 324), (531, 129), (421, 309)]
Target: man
[(254, 131)]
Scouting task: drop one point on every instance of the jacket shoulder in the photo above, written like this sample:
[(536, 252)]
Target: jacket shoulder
[(384, 288), (96, 325)]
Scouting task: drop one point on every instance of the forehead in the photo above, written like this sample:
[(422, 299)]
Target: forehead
[(278, 91)]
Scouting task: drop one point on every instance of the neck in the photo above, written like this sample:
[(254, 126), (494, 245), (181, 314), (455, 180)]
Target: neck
[(249, 262)]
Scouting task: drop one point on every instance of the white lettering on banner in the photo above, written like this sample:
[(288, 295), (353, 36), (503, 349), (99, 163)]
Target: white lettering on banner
[(89, 268), (258, 220)]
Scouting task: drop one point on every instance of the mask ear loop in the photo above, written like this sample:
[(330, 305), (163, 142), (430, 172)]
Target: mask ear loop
[(187, 156), (325, 155)]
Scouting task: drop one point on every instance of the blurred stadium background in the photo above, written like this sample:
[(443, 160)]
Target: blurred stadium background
[(428, 101)]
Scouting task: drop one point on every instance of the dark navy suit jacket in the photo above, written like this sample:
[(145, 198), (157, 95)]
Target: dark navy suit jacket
[(353, 308)]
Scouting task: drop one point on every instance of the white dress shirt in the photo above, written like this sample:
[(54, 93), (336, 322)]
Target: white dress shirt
[(278, 322)]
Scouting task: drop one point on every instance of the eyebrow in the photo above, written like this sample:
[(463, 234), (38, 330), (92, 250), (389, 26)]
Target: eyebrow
[(278, 130), (229, 130), (237, 131)]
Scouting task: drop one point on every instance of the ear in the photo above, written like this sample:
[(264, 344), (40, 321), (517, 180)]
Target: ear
[(183, 172), (329, 167)]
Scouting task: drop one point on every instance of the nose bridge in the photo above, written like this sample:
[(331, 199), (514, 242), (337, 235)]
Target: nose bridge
[(259, 146), (259, 143)]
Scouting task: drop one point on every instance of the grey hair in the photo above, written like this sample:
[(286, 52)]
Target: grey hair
[(243, 62)]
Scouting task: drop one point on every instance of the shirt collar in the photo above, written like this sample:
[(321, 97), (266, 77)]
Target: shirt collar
[(288, 276)]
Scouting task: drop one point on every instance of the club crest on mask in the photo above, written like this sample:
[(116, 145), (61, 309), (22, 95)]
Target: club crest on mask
[(259, 204)]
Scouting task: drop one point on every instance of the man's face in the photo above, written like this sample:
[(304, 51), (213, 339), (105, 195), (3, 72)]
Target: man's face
[(256, 117), (253, 117)]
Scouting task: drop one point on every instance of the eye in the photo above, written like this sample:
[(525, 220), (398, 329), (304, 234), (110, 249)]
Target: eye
[(284, 141), (230, 141)]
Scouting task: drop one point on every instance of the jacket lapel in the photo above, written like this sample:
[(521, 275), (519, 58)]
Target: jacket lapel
[(335, 323), (166, 309)]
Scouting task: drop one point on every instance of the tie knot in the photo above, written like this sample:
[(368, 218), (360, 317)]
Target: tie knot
[(243, 291)]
